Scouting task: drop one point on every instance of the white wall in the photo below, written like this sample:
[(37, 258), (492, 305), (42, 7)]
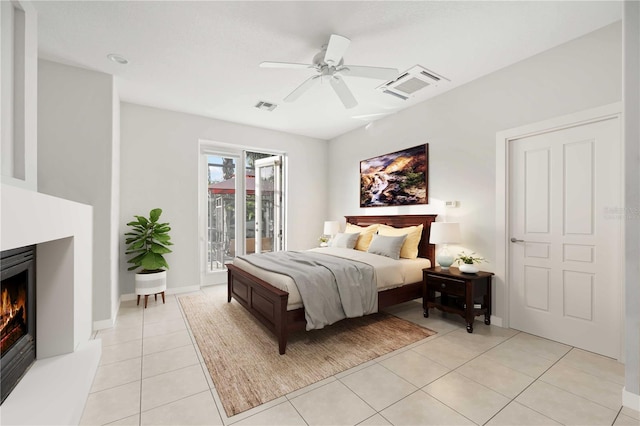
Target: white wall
[(461, 125), (114, 214), (75, 158), (18, 90), (159, 168), (631, 397)]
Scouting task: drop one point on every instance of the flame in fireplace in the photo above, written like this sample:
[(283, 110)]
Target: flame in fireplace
[(13, 317), (10, 308)]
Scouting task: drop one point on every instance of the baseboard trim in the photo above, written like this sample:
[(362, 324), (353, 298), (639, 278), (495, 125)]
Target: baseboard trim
[(180, 290), (497, 321), (176, 290), (127, 297), (630, 400), (102, 324), (109, 322)]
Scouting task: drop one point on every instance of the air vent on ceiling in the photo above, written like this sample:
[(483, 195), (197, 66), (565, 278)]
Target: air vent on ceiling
[(267, 106), (412, 82)]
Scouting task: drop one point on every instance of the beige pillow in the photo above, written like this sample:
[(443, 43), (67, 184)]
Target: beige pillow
[(409, 249), (365, 235)]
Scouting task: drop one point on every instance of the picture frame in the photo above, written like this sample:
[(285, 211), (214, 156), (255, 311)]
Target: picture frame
[(399, 178)]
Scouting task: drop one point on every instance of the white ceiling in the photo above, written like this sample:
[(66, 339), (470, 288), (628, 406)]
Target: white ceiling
[(202, 57)]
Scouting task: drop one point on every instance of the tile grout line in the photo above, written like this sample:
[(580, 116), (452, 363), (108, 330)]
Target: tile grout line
[(203, 368), (531, 384), (141, 379), (617, 415), (418, 389), (467, 378), (582, 371), (141, 370), (362, 399)]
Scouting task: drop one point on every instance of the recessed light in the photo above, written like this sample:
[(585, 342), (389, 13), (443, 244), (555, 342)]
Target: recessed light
[(117, 59)]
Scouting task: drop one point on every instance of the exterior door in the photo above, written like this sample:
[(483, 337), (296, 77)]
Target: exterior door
[(268, 204), (565, 250)]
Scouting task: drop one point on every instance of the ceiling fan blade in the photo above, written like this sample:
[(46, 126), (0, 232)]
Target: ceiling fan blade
[(336, 48), (306, 85), (343, 92), (373, 117), (284, 65), (369, 72)]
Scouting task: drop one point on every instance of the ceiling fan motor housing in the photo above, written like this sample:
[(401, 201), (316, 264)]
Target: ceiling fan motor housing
[(319, 63)]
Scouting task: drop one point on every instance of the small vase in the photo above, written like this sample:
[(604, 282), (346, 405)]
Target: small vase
[(468, 268)]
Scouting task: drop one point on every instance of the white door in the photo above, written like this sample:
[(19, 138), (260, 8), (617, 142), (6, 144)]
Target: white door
[(268, 205), (565, 250)]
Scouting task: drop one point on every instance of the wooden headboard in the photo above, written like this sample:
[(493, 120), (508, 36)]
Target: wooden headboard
[(400, 221)]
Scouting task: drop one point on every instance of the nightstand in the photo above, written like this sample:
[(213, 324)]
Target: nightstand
[(467, 295)]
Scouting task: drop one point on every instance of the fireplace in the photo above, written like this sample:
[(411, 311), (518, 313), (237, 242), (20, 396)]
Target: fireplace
[(18, 315)]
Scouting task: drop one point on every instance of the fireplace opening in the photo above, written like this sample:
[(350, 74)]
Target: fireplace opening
[(17, 316)]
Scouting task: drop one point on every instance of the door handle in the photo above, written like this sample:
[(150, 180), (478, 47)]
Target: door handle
[(515, 240)]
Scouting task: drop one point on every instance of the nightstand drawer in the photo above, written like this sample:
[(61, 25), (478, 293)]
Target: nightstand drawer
[(447, 285)]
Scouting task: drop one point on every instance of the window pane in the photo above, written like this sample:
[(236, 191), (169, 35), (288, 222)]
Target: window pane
[(221, 209), (250, 199)]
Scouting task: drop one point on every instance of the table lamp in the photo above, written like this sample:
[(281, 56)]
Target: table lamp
[(444, 233), (331, 228)]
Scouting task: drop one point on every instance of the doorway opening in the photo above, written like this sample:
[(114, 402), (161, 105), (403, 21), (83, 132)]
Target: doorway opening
[(244, 199)]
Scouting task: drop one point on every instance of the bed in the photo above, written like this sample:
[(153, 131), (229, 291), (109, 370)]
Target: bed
[(269, 304)]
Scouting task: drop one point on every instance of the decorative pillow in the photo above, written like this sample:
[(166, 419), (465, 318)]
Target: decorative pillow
[(344, 240), (409, 249), (386, 246), (365, 235)]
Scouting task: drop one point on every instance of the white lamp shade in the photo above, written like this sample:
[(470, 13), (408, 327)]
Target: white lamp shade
[(331, 227), (444, 233)]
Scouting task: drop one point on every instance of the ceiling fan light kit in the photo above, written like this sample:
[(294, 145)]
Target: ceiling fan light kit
[(329, 64)]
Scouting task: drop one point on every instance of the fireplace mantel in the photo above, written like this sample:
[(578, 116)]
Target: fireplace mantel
[(62, 233)]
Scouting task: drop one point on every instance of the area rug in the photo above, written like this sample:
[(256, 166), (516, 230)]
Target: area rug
[(243, 360)]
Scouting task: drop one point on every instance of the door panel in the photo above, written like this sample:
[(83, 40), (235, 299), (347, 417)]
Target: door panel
[(268, 205), (537, 191), (564, 270), (579, 176)]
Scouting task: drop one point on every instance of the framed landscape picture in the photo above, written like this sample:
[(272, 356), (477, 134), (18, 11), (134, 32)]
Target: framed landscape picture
[(395, 179)]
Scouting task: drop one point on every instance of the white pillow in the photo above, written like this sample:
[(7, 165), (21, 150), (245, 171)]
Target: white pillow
[(365, 234), (409, 249), (387, 246), (343, 240)]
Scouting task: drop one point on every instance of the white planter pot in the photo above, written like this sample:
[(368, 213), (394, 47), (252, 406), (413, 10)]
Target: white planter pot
[(151, 283), (468, 268), (154, 283)]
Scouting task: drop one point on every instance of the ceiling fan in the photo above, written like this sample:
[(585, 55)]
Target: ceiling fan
[(329, 64)]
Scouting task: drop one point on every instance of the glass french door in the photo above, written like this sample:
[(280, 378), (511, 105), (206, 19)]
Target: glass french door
[(221, 210), (249, 222), (268, 204)]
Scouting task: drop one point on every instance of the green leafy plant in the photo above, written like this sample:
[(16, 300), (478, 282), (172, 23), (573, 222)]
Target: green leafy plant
[(147, 241), (469, 259)]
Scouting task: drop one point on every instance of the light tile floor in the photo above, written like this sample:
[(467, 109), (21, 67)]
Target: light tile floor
[(152, 373)]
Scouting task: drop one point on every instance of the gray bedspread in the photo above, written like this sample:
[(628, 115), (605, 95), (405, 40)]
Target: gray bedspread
[(332, 288)]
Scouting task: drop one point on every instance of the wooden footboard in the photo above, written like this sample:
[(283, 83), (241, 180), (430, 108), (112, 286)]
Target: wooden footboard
[(265, 302), (268, 304)]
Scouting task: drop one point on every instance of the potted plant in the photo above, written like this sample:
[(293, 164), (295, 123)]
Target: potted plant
[(324, 240), (147, 241), (467, 262)]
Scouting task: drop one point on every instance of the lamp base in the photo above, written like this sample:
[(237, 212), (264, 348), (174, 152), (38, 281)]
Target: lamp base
[(444, 258)]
